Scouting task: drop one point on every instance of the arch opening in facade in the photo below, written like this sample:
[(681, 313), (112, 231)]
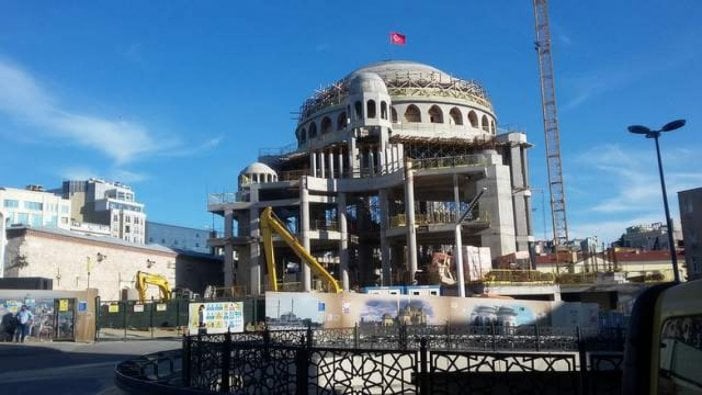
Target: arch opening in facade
[(436, 115), (412, 114), (341, 121), (473, 119), (485, 123), (326, 125), (371, 109), (456, 116)]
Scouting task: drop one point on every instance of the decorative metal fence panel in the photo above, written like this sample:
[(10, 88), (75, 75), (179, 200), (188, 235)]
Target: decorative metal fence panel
[(425, 360)]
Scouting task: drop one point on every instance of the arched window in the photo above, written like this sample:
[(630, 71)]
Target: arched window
[(485, 123), (303, 136), (436, 115), (341, 121), (473, 119), (493, 129), (412, 114), (456, 116), (326, 126), (383, 110), (313, 130), (393, 114), (358, 106), (371, 109)]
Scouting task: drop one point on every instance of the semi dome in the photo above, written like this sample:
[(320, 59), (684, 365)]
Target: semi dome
[(258, 168), (366, 82)]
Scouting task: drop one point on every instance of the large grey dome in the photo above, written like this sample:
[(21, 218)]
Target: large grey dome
[(403, 69)]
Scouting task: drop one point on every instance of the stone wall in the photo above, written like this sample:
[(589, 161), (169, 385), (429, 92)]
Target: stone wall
[(67, 259)]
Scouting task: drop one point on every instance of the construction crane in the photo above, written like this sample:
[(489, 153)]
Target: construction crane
[(550, 114)]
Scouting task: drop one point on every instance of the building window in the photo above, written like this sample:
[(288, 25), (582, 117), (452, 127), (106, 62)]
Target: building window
[(412, 114), (341, 121), (358, 106), (36, 220), (313, 130), (383, 110), (33, 206), (436, 115), (456, 116), (473, 118), (21, 218), (371, 108), (485, 125), (127, 219), (11, 203), (393, 114), (326, 125), (127, 229)]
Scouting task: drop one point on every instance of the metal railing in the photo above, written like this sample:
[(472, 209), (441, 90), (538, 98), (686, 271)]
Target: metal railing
[(476, 160), (518, 276), (439, 218), (404, 359)]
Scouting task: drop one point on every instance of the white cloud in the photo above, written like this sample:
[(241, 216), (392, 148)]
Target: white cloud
[(25, 101), (622, 188)]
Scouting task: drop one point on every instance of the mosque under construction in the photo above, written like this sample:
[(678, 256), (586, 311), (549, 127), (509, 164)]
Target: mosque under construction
[(386, 165)]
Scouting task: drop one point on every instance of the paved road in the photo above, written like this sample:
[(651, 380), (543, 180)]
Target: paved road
[(68, 368)]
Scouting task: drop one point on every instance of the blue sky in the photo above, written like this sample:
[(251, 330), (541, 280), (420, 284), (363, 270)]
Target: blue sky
[(176, 97)]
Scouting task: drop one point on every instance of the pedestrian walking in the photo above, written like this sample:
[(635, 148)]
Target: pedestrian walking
[(24, 320)]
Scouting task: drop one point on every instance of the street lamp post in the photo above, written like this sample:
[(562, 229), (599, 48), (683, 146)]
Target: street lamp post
[(654, 134)]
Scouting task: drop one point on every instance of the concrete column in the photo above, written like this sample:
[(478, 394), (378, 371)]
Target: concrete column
[(313, 164), (305, 232), (458, 250), (255, 263), (228, 248), (353, 166), (344, 242), (384, 244), (322, 172), (341, 163), (331, 163), (381, 161), (411, 229)]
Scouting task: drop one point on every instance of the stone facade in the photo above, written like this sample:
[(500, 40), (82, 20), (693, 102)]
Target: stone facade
[(77, 262)]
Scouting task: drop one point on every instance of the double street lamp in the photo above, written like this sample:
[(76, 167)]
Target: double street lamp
[(654, 134)]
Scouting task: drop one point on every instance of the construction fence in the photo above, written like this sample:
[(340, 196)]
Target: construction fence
[(133, 320)]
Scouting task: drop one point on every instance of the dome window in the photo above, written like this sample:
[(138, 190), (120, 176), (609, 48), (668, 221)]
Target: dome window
[(341, 121), (485, 123), (412, 114), (326, 125), (393, 114), (436, 115), (473, 118), (358, 106), (371, 109), (383, 110), (303, 136), (456, 116), (313, 130)]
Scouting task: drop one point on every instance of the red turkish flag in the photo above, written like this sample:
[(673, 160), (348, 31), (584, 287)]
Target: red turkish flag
[(397, 38)]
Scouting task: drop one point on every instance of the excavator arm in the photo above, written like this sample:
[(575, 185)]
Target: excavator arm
[(269, 224), (143, 280)]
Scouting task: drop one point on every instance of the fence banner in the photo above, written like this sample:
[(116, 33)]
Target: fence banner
[(216, 317)]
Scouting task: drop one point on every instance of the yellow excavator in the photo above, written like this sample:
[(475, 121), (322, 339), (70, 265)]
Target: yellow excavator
[(143, 280), (270, 223)]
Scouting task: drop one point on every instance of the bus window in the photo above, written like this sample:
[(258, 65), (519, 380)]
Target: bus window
[(680, 355)]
